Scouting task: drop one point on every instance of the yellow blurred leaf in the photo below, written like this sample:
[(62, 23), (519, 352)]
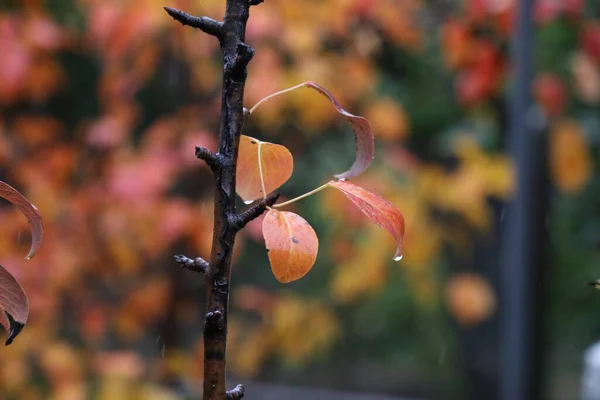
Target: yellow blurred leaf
[(570, 159)]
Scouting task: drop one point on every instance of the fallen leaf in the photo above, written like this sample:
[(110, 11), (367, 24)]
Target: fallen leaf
[(365, 141), (273, 162), (13, 304), (292, 245), (378, 209), (30, 211)]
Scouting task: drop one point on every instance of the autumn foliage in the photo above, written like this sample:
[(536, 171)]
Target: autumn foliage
[(103, 102)]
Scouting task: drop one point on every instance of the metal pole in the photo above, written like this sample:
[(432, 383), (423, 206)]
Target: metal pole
[(523, 230)]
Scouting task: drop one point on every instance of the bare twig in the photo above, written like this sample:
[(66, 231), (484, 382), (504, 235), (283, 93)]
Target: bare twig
[(236, 394), (197, 265), (210, 158), (255, 211), (205, 24)]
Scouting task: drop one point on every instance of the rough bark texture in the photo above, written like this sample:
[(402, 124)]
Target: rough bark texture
[(236, 55), (218, 278)]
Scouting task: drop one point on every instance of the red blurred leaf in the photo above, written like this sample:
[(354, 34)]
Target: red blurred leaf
[(378, 209), (14, 305), (550, 92), (30, 211), (273, 161), (292, 245), (590, 38), (365, 141)]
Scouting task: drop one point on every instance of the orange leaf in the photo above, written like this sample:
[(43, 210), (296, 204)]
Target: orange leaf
[(13, 304), (378, 209), (30, 211), (292, 245), (271, 161), (365, 141)]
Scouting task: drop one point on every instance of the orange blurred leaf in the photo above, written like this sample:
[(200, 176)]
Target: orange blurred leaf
[(292, 245), (261, 165), (470, 298), (378, 209), (571, 162), (14, 305), (30, 211)]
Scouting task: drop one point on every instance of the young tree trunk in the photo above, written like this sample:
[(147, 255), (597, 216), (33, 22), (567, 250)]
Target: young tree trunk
[(236, 56)]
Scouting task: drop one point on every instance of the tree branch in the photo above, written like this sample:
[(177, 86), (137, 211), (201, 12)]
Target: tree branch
[(255, 2), (243, 55), (210, 158), (197, 265), (236, 55), (236, 394), (255, 211), (205, 24)]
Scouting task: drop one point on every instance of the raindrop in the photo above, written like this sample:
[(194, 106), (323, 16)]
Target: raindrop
[(502, 214), (157, 339), (398, 257), (248, 201), (163, 350), (342, 179)]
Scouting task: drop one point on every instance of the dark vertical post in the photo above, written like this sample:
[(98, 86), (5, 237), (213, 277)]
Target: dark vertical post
[(523, 231)]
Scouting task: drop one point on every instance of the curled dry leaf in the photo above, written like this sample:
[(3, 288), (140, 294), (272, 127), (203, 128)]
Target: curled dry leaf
[(292, 245), (31, 213), (14, 305), (378, 209), (262, 167), (363, 133)]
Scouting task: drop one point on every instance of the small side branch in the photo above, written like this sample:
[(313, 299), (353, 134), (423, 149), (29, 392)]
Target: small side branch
[(255, 2), (197, 265), (210, 158), (205, 24), (255, 211), (236, 394), (237, 66)]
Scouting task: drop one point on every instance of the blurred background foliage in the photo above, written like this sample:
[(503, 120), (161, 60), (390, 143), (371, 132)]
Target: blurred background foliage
[(103, 101)]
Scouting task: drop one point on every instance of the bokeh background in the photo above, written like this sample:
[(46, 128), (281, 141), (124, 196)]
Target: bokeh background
[(103, 101)]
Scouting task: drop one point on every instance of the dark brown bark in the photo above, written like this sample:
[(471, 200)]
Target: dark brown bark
[(236, 55)]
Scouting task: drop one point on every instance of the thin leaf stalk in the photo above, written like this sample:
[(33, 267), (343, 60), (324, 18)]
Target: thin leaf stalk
[(285, 203), (269, 97)]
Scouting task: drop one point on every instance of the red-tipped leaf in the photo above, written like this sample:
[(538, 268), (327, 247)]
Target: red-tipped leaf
[(14, 305), (378, 209), (363, 133), (31, 213), (292, 245)]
